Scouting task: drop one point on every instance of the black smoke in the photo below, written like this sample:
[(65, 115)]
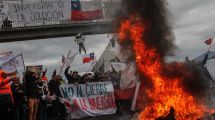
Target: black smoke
[(194, 78), (154, 14)]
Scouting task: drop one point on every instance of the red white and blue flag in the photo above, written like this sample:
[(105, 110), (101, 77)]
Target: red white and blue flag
[(88, 57), (79, 13)]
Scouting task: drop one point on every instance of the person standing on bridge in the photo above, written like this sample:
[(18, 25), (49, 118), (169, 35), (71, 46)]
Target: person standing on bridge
[(80, 39)]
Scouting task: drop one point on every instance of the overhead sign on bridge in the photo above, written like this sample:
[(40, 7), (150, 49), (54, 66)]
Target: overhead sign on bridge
[(29, 12)]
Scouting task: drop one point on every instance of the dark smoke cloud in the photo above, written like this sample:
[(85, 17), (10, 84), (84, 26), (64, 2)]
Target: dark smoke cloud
[(193, 77), (154, 14)]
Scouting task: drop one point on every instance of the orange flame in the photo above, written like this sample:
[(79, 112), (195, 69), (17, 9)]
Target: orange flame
[(165, 93)]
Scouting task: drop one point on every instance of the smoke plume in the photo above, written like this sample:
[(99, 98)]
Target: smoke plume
[(154, 14)]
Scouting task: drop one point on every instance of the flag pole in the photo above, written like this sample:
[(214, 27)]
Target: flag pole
[(134, 102), (206, 55), (65, 61)]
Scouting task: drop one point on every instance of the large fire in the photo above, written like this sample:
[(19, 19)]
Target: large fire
[(167, 92)]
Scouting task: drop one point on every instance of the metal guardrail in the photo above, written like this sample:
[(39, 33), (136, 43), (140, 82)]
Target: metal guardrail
[(45, 24)]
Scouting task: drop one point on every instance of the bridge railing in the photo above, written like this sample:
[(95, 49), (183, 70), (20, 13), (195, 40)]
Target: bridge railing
[(19, 26)]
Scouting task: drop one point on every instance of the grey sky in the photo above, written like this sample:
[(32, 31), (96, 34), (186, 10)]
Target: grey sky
[(193, 22)]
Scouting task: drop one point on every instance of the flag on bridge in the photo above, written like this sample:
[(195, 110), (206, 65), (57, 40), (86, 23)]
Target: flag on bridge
[(86, 10)]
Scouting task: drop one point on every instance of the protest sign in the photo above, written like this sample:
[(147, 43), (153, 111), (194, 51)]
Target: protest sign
[(37, 69), (31, 12), (91, 99), (13, 63)]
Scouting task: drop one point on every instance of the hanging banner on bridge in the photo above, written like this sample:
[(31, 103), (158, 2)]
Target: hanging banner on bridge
[(91, 99), (30, 12)]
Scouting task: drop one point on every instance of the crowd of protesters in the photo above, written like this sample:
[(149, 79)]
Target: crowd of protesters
[(32, 95)]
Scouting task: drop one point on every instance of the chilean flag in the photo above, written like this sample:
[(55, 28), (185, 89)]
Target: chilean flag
[(79, 14), (88, 57)]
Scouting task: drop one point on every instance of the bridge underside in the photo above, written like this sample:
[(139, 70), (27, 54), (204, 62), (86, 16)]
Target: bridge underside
[(33, 33)]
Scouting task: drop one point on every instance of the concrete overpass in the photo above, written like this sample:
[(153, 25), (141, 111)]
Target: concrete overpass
[(51, 31)]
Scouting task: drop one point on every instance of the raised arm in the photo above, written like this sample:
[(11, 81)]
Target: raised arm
[(4, 82), (66, 73)]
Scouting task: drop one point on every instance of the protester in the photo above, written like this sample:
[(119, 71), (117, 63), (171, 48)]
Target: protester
[(68, 76), (59, 108), (80, 39), (43, 100), (20, 108), (84, 79), (6, 98), (6, 24), (32, 91), (73, 78), (76, 78), (95, 78), (90, 77)]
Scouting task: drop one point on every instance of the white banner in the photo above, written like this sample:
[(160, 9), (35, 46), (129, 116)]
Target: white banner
[(40, 11), (91, 99), (12, 64)]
